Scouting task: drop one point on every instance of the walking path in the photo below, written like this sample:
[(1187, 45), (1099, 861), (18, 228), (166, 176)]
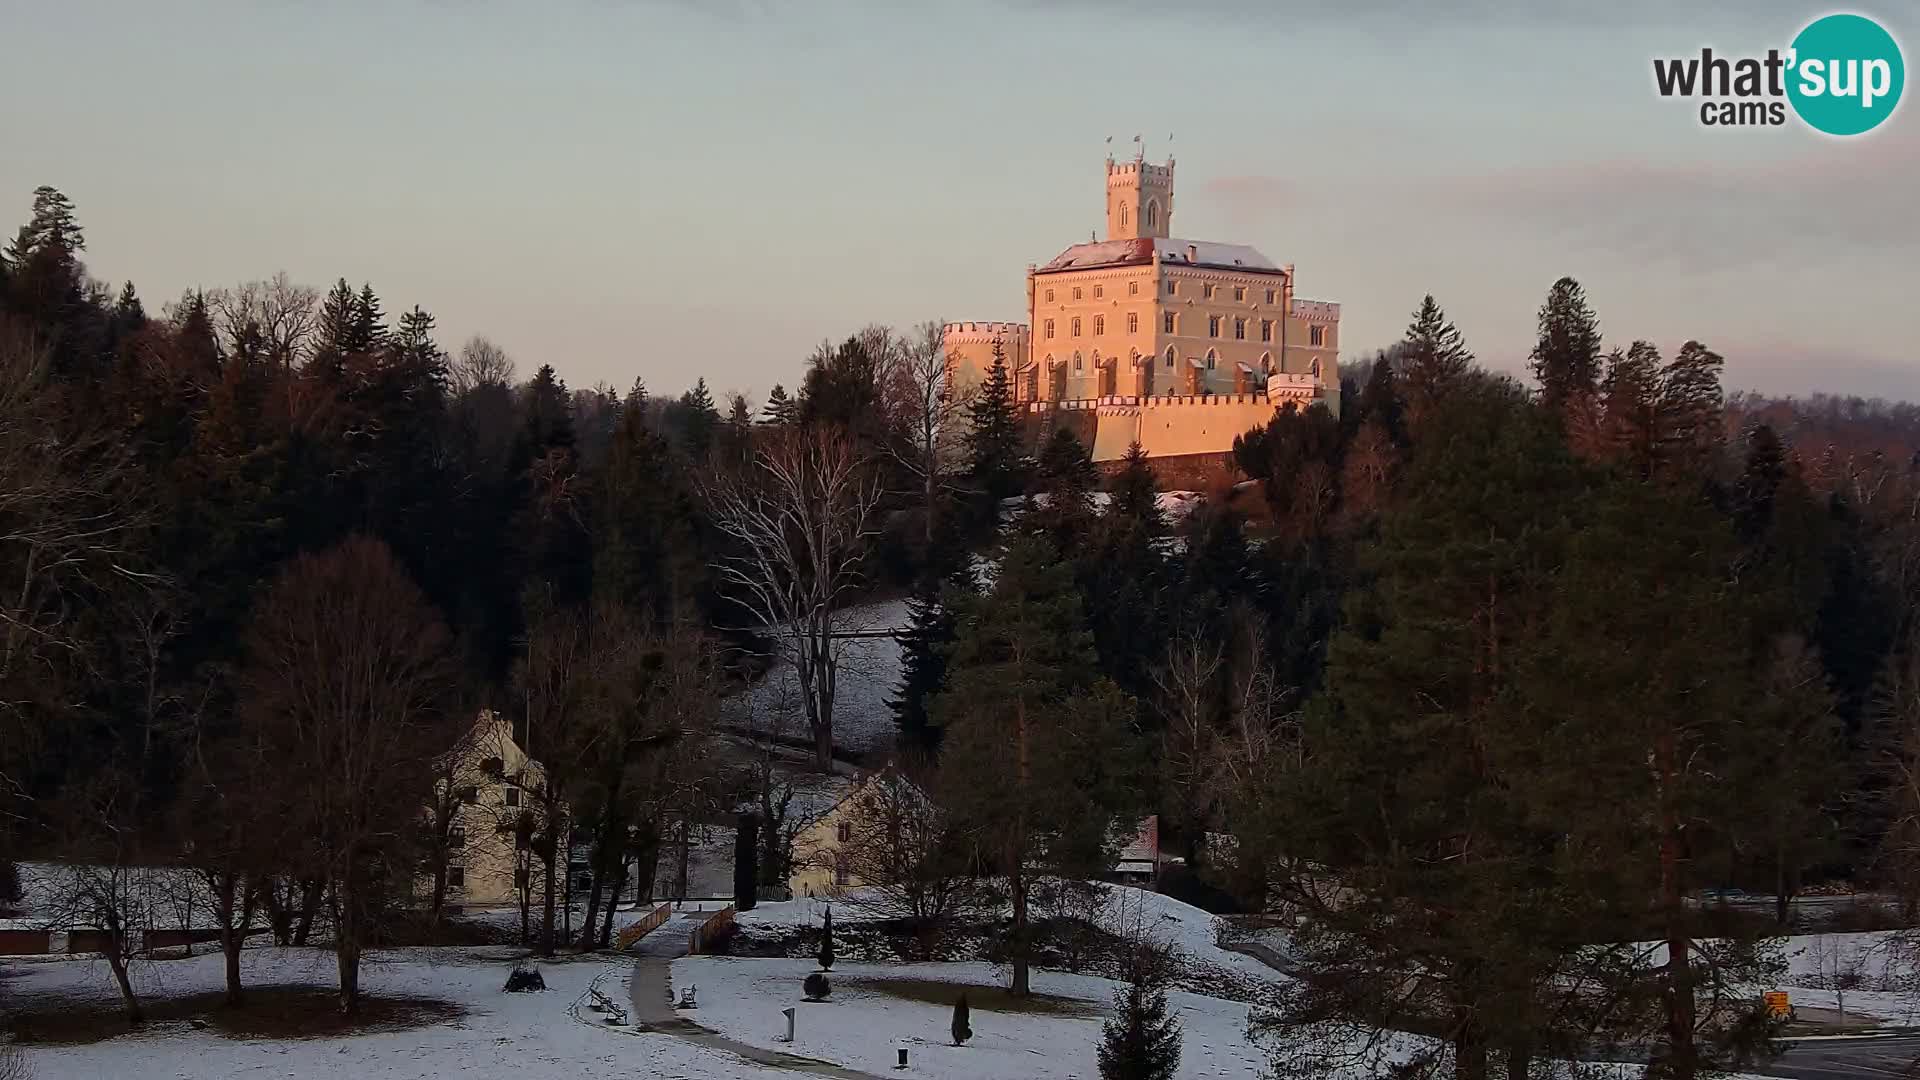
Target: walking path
[(652, 991)]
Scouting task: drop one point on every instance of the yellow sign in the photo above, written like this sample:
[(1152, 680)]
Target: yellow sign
[(1777, 1003)]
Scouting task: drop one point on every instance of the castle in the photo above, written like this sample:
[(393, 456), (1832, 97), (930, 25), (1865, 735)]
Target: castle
[(1178, 344)]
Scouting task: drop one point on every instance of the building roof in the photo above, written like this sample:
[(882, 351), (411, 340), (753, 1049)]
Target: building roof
[(1172, 250)]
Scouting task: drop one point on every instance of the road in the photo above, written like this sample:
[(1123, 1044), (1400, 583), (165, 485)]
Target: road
[(1847, 1059)]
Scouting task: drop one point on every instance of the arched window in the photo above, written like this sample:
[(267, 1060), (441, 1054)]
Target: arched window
[(1076, 326), (1076, 362), (1315, 369), (1266, 363), (1123, 215), (1211, 358), (1099, 325), (1153, 214), (1169, 357)]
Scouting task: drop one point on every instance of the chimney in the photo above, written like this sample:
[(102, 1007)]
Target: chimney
[(1193, 254)]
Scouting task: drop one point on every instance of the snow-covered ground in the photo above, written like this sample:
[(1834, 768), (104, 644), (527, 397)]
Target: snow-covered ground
[(502, 1036), (868, 676)]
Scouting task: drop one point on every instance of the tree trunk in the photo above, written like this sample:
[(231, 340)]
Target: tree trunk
[(685, 843), (619, 883), (309, 905), (1016, 865), (346, 944), (117, 960), (591, 923), (1469, 1052), (823, 746), (1683, 1058), (1782, 894), (546, 899), (1519, 1062)]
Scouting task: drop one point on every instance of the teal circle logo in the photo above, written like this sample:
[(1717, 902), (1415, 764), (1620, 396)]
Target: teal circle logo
[(1846, 74)]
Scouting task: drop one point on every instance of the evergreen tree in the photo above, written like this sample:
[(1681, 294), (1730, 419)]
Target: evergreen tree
[(962, 1027), (1064, 480), (1566, 358), (696, 419), (826, 941), (924, 644), (1136, 493), (1141, 1041), (368, 330), (780, 410), (736, 434), (1436, 358), (1038, 755), (994, 465), (645, 548)]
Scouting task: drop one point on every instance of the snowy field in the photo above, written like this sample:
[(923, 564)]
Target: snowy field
[(502, 1036), (869, 674)]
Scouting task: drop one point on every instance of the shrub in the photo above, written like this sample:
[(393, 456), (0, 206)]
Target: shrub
[(816, 987), (525, 977)]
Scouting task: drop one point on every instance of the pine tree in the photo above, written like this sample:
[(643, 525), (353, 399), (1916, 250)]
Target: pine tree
[(1566, 358), (993, 438), (1039, 759), (1436, 358), (368, 331), (924, 643), (962, 1020), (697, 419), (1141, 1041), (1066, 477), (780, 410), (1136, 493)]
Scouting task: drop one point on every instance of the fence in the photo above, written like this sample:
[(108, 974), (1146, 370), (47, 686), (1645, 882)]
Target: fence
[(640, 929), (706, 932)]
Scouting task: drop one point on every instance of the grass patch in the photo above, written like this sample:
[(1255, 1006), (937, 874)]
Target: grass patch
[(269, 1012), (989, 998)]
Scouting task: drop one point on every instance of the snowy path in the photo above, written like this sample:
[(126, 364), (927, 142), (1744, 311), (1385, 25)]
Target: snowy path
[(652, 991)]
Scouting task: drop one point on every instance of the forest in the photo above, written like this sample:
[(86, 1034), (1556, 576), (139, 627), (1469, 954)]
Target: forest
[(1484, 682)]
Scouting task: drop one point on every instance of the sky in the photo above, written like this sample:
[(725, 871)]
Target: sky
[(672, 189)]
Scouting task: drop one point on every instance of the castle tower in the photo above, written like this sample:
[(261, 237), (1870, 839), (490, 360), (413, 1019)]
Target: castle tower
[(1139, 199)]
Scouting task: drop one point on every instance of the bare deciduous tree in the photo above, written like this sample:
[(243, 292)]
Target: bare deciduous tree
[(799, 521), (919, 383), (479, 363), (284, 314), (350, 670)]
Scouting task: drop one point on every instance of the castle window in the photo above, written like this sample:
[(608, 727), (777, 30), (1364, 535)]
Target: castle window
[(1266, 363), (1049, 296), (1239, 292), (1078, 365), (1210, 359), (1213, 326), (1076, 326), (1266, 330), (1239, 329), (1099, 325), (1049, 328), (1099, 291), (1123, 215), (1133, 322), (1206, 291), (1076, 292), (1269, 296), (1153, 214), (1167, 320), (1173, 287), (1133, 288), (1316, 335), (1169, 357)]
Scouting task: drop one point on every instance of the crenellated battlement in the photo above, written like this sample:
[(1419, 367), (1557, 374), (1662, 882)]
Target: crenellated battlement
[(1133, 401), (1316, 310), (985, 332), (1121, 173)]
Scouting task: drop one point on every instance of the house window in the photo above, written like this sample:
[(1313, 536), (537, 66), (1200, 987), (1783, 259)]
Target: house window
[(1239, 292), (1266, 329), (1167, 320), (1239, 329), (1076, 292), (1099, 291), (521, 841), (456, 877), (457, 837), (1049, 296), (1316, 335), (1049, 328), (1133, 288), (1099, 325), (469, 794), (1173, 287), (513, 796), (1213, 326), (1133, 322), (1269, 296), (1206, 291), (841, 875), (1076, 326), (843, 832)]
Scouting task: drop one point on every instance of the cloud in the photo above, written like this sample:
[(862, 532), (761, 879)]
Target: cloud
[(1459, 15)]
